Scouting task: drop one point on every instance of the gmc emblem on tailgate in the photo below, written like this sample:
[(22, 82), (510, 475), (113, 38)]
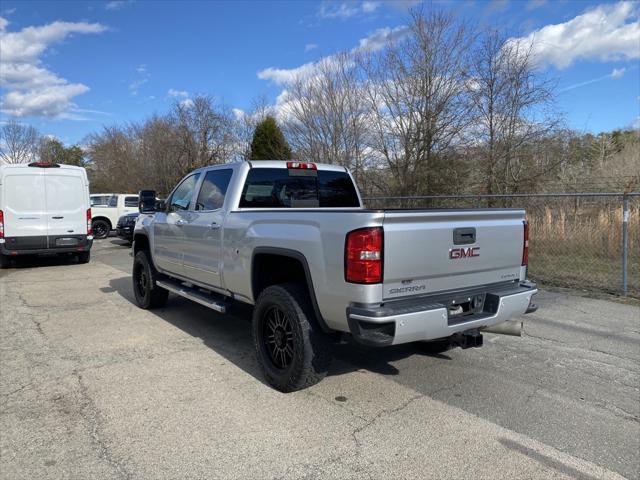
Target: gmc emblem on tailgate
[(456, 253)]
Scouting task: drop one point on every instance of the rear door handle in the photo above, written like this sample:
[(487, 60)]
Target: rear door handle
[(215, 225), (58, 218)]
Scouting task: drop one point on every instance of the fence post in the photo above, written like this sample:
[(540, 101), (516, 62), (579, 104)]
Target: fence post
[(625, 241)]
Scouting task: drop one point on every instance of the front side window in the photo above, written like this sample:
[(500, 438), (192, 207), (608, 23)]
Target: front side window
[(100, 200), (213, 190), (181, 197), (130, 201)]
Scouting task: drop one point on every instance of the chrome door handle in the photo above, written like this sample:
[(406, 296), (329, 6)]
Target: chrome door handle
[(215, 226), (180, 223)]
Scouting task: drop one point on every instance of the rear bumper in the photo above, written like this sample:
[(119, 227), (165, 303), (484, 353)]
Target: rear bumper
[(14, 246), (414, 320)]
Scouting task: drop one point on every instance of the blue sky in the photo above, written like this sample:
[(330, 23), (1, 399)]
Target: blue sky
[(68, 68)]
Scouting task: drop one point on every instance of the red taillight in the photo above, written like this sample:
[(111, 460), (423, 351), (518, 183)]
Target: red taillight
[(525, 246), (363, 255), (302, 165), (89, 229), (1, 224)]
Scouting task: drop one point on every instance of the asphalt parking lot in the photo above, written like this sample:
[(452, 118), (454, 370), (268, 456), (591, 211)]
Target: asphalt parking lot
[(93, 387)]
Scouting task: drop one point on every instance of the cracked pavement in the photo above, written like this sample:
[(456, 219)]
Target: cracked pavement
[(93, 387)]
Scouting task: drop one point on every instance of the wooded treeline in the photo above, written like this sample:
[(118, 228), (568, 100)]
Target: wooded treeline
[(444, 108)]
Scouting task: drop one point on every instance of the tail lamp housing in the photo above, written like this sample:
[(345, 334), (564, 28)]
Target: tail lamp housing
[(363, 255), (1, 224), (525, 244), (89, 227)]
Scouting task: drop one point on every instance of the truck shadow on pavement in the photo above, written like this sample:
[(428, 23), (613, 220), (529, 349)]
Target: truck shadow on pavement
[(230, 336)]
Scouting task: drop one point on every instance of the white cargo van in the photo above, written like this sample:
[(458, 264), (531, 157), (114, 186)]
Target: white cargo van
[(44, 208)]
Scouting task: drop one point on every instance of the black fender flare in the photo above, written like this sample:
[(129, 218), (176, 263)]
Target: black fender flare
[(296, 255)]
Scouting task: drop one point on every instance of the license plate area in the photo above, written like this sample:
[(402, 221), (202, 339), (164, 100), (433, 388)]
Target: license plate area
[(66, 242)]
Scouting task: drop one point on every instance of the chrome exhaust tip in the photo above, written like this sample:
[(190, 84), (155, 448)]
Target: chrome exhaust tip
[(509, 327)]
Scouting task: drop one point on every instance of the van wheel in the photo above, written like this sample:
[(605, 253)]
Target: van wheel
[(148, 294), (101, 228), (291, 349), (4, 261), (84, 257)]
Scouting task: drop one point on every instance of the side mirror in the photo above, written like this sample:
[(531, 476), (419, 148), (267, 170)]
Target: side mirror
[(147, 201), (161, 206)]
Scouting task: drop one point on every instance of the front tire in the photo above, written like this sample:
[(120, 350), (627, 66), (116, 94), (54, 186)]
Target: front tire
[(101, 228), (148, 294), (291, 349)]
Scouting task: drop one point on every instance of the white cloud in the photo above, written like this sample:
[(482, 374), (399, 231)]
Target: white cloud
[(533, 4), (375, 41), (177, 93), (116, 4), (32, 90), (606, 33), (143, 77), (618, 73), (310, 46), (188, 103), (346, 9)]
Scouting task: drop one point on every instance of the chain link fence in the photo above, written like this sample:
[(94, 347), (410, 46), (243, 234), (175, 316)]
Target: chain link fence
[(587, 241)]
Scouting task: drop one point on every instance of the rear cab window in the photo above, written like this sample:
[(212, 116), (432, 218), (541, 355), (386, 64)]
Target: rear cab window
[(293, 188)]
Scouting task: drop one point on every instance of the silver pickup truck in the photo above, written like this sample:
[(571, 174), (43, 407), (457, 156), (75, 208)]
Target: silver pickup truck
[(293, 240)]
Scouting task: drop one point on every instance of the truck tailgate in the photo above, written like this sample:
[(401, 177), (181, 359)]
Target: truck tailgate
[(431, 251)]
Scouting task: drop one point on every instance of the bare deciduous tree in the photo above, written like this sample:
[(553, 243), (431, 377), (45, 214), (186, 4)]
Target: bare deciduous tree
[(18, 142), (418, 99)]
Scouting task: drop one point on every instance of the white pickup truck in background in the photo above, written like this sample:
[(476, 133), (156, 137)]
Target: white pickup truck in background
[(107, 208)]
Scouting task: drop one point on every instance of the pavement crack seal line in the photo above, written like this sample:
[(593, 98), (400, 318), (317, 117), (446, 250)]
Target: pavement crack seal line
[(372, 421), (90, 414)]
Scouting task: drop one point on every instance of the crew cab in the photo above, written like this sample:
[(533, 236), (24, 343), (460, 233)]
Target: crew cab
[(293, 240), (108, 208)]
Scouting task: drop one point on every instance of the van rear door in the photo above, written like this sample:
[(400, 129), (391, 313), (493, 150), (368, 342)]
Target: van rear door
[(24, 207), (67, 204)]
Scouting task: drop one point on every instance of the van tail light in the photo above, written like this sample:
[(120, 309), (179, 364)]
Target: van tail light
[(363, 255), (89, 229), (1, 224), (525, 245)]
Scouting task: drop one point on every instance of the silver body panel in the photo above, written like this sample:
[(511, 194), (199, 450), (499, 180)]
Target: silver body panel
[(416, 252)]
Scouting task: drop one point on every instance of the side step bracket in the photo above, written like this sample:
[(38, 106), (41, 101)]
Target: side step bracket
[(213, 301)]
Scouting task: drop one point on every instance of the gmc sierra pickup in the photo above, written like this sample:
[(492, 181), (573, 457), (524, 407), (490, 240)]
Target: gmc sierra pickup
[(293, 240)]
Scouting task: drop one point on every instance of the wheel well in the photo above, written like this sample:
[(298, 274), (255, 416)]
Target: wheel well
[(105, 219), (271, 269), (274, 265), (140, 242)]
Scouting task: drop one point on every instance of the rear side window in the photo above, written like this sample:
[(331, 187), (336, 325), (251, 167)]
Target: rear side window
[(113, 201), (130, 201), (285, 188), (213, 190)]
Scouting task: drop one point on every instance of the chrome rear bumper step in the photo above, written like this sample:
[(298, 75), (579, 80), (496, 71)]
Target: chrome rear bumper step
[(209, 300)]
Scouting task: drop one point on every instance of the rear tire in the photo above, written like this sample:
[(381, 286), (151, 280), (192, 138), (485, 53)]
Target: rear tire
[(291, 349), (148, 294), (4, 261), (84, 257), (101, 228)]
